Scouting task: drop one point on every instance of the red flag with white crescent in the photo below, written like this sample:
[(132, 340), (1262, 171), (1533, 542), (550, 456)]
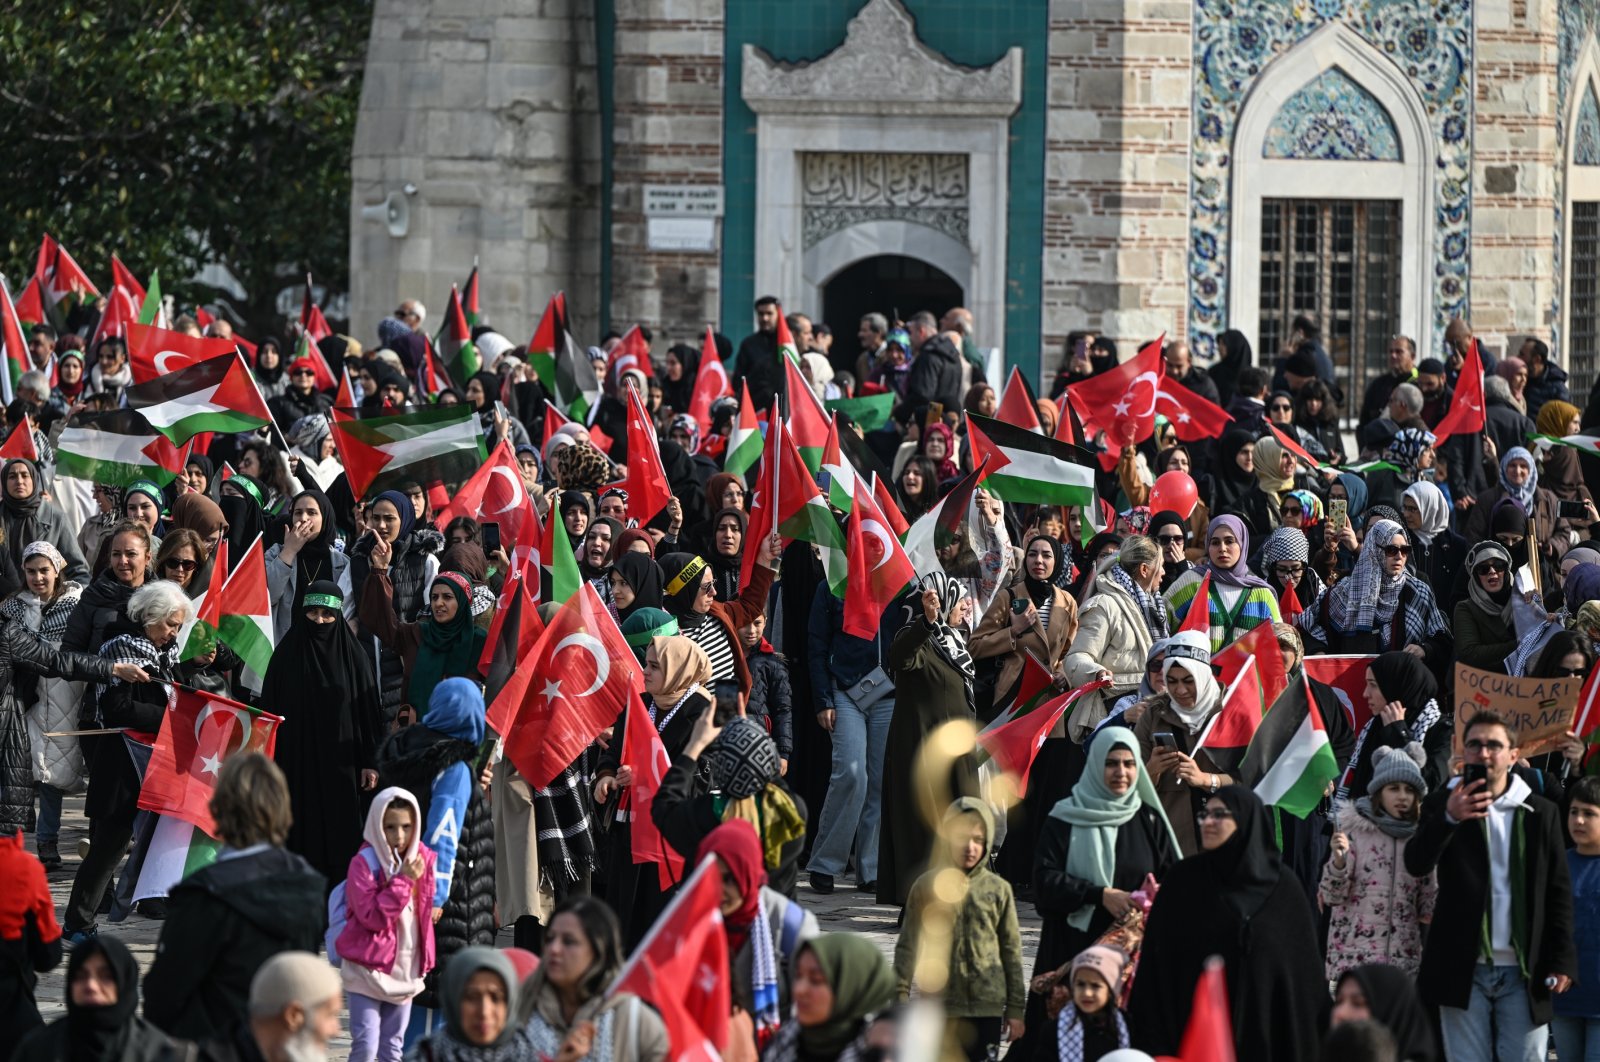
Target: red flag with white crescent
[(198, 732)]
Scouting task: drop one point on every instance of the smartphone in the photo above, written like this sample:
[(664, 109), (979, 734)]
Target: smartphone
[(1338, 513), (1474, 772), (1019, 605), (1165, 739), (1573, 510), (726, 695), (491, 538)]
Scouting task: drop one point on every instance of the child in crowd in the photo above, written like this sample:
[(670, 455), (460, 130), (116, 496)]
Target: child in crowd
[(1378, 908), (769, 702), (387, 944), (986, 990), (1576, 1025), (1090, 1026)]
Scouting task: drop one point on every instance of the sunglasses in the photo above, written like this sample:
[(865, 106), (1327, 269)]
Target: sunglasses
[(181, 565), (1292, 510), (1397, 551), (302, 372), (1170, 540), (1281, 408), (1490, 566)]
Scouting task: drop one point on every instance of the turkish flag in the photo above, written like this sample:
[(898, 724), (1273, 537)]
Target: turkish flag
[(1016, 404), (582, 672), (1466, 413), (1199, 619), (496, 494), (154, 352), (120, 312), (808, 420), (1347, 674), (879, 566), (890, 511), (312, 323), (1192, 417), (122, 277), (1013, 745), (198, 732), (631, 353), (1260, 642), (648, 490), (1209, 1035), (643, 751), (20, 443), (1122, 402), (710, 383), (681, 967), (516, 624), (553, 419)]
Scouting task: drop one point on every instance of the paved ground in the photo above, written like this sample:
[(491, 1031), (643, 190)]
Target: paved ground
[(845, 911)]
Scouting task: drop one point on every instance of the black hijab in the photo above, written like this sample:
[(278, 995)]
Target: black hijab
[(21, 524), (490, 382), (675, 567), (1392, 1000), (206, 465), (242, 507), (1039, 590), (1404, 678), (274, 374), (643, 574), (1245, 868), (726, 570), (1230, 483), (315, 559), (100, 1034)]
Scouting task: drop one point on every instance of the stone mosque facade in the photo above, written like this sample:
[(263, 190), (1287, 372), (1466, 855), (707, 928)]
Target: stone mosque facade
[(1131, 167)]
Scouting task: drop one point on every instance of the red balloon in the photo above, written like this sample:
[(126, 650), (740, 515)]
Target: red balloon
[(1176, 491)]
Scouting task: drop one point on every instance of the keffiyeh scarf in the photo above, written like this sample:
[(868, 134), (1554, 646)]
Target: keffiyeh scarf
[(764, 976), (947, 641), (1420, 726), (1069, 1033), (136, 649), (564, 834), (1151, 606)]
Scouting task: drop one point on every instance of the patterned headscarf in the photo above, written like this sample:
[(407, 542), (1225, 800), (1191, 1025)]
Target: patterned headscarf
[(1310, 504), (1285, 544), (41, 548), (1522, 495), (1269, 454), (1369, 596), (951, 643), (1406, 448), (581, 467), (743, 759), (690, 427)]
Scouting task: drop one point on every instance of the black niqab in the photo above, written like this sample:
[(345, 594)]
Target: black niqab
[(1245, 868), (245, 518), (1392, 1001), (315, 559)]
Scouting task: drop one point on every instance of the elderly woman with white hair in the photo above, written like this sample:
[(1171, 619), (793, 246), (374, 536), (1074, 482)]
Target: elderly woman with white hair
[(133, 697)]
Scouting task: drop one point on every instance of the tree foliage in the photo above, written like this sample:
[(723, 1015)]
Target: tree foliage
[(181, 133)]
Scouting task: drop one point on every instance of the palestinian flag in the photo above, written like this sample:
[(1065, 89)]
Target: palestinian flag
[(941, 525), (871, 412), (556, 553), (245, 609), (1589, 444), (198, 635), (150, 308), (744, 442), (215, 395), (177, 849), (1024, 466), (1370, 466), (63, 285), (786, 343), (577, 387), (312, 323), (469, 297), (889, 507), (460, 354), (841, 474), (1290, 762), (1017, 406), (1229, 733), (808, 421), (427, 444), (548, 339), (787, 500), (1013, 745), (13, 344), (117, 448), (30, 305), (20, 443)]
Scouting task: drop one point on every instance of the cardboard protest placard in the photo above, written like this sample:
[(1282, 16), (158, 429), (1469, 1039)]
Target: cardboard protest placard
[(1540, 710)]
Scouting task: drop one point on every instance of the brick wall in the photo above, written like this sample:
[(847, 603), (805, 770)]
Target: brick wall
[(489, 109), (668, 131), (1513, 172), (1116, 171)]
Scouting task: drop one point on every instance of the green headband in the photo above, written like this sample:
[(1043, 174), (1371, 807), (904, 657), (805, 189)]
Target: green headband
[(323, 601), (642, 638), (249, 488)]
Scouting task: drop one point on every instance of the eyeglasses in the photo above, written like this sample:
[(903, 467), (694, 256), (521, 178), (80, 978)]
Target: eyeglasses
[(1289, 570), (1486, 567), (1155, 667), (1485, 746), (1171, 540), (1397, 551), (181, 565), (1219, 814), (708, 588)]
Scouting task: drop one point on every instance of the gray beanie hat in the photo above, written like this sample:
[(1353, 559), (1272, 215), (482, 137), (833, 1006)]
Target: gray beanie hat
[(1398, 765)]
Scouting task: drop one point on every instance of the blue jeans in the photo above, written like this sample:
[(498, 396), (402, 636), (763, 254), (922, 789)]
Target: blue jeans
[(49, 827), (855, 789), (1577, 1039), (1496, 1026)]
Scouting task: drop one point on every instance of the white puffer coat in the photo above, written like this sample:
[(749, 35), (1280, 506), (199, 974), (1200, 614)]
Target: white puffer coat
[(51, 703)]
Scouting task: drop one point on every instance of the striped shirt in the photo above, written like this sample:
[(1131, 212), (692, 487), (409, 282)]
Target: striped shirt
[(712, 637)]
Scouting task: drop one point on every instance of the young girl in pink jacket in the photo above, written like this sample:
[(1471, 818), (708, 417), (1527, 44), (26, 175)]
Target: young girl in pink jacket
[(387, 943)]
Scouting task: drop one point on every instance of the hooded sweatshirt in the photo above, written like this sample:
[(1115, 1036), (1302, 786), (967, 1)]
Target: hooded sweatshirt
[(986, 978), (387, 943)]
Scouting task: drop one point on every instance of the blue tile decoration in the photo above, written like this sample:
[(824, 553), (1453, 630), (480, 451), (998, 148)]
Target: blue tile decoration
[(1431, 41), (1578, 20), (1332, 117), (1586, 136)]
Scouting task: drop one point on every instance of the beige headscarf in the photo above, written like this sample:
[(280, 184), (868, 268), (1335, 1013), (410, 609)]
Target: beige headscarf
[(684, 665), (1269, 452)]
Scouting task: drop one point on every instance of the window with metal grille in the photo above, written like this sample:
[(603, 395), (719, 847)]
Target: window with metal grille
[(1339, 261), (1583, 315)]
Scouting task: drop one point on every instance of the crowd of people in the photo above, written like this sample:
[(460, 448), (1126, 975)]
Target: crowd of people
[(1443, 901)]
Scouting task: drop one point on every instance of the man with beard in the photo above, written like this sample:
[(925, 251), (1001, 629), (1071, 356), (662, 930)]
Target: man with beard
[(295, 1000)]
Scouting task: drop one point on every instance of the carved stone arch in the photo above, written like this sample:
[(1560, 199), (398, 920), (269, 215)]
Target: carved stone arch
[(1410, 179)]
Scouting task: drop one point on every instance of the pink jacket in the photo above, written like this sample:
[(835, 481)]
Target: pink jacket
[(1378, 908), (374, 900)]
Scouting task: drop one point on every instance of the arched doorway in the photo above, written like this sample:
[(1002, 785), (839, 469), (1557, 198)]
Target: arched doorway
[(890, 284)]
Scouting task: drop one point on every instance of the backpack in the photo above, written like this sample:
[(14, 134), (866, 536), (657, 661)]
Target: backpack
[(339, 913)]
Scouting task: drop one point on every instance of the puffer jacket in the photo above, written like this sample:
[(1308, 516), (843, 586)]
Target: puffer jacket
[(1378, 907), (51, 703), (19, 648), (411, 570), (436, 766), (770, 697), (1112, 636), (986, 977)]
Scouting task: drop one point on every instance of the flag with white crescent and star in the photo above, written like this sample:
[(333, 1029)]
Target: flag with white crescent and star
[(1122, 402), (583, 670), (198, 732), (496, 494), (879, 566)]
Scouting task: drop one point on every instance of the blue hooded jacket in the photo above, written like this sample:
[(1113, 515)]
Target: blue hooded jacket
[(456, 709)]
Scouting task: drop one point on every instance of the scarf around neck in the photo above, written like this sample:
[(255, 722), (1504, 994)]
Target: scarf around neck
[(450, 649), (1151, 606), (1240, 574), (1369, 596)]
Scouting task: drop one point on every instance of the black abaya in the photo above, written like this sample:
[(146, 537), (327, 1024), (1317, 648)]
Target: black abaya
[(322, 684)]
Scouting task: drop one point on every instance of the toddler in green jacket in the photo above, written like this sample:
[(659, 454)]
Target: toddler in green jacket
[(984, 991)]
